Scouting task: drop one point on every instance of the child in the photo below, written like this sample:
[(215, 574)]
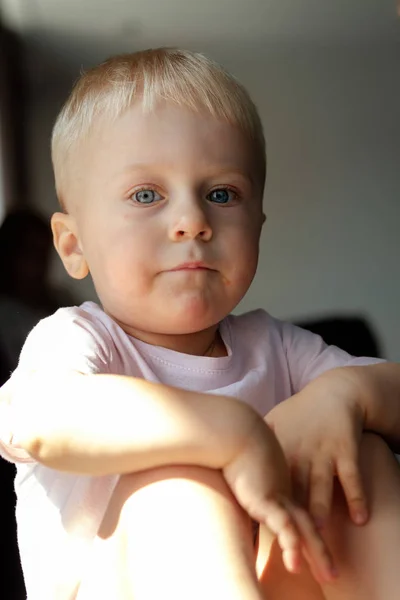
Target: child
[(137, 427)]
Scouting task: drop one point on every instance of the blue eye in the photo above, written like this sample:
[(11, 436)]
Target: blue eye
[(222, 196), (146, 196)]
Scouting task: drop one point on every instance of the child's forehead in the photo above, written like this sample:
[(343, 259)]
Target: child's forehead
[(165, 133)]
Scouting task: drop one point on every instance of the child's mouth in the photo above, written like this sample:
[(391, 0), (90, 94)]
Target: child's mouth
[(191, 266)]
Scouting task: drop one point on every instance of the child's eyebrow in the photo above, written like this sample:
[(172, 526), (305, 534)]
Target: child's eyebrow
[(216, 171), (138, 167), (235, 172), (124, 174), (207, 173)]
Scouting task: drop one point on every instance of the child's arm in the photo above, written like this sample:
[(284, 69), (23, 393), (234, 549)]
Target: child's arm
[(377, 388), (101, 424)]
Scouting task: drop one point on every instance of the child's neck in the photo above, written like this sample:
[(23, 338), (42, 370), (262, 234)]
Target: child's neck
[(203, 343), (210, 345)]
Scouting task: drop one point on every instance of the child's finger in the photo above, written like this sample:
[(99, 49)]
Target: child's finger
[(280, 522), (321, 490), (314, 572), (314, 545), (294, 528), (350, 478), (292, 560)]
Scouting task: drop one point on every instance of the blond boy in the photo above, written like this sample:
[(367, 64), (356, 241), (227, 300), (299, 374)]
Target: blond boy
[(137, 426)]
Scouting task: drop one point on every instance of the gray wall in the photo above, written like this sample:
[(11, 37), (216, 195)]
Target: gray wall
[(331, 241)]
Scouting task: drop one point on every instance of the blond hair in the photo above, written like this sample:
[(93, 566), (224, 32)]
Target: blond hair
[(186, 78)]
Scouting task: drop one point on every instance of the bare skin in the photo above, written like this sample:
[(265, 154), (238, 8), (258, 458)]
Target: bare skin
[(366, 556), (178, 530), (173, 532)]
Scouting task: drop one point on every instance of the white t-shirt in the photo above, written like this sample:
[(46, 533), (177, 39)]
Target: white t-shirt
[(58, 514)]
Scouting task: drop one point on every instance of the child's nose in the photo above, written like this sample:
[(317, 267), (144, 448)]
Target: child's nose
[(191, 223)]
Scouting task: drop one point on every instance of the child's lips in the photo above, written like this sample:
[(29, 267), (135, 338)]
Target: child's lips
[(192, 266)]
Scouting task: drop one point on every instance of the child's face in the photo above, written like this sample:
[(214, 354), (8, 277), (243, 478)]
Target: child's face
[(154, 192)]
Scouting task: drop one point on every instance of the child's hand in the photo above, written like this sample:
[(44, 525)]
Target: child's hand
[(320, 430), (259, 478)]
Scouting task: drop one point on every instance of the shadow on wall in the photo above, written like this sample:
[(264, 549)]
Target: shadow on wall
[(25, 298), (353, 334), (25, 293)]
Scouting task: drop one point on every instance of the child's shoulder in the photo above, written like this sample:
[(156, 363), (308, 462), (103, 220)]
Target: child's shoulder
[(71, 330), (87, 316)]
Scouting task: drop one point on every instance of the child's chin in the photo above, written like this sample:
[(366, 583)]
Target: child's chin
[(190, 321)]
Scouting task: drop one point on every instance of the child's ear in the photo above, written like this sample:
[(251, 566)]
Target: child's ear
[(67, 244), (264, 218)]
